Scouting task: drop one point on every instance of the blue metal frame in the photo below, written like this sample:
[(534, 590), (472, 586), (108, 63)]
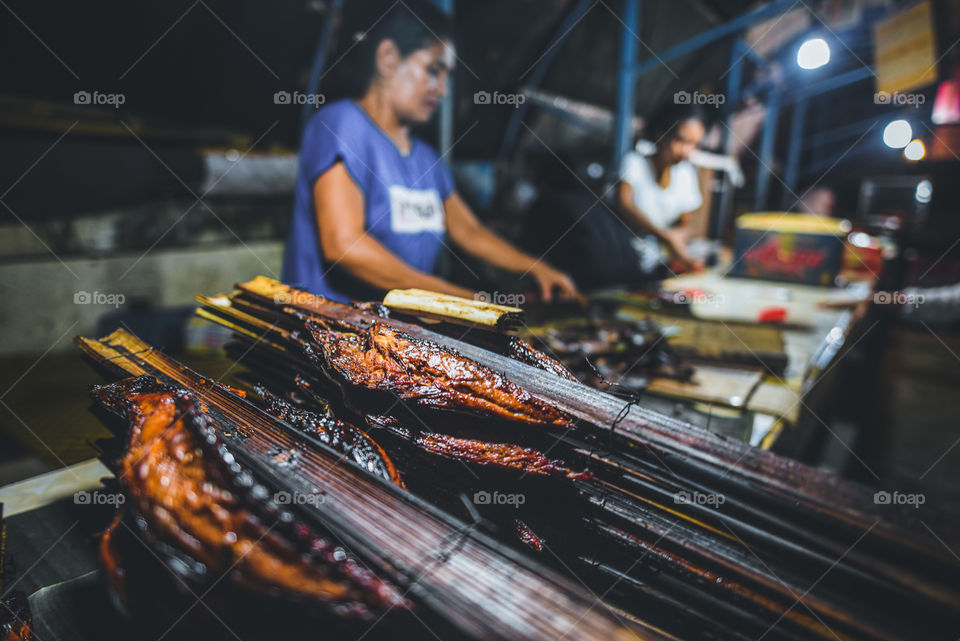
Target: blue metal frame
[(798, 121), (630, 68), (445, 121), (320, 57), (626, 82), (833, 83), (716, 33), (536, 77), (767, 143), (795, 148), (724, 203), (841, 132)]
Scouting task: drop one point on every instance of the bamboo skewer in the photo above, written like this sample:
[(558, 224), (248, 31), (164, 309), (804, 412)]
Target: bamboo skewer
[(455, 309), (791, 546), (815, 493), (464, 577), (791, 514)]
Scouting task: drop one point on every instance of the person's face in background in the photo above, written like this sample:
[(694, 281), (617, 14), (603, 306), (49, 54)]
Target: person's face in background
[(683, 141), (819, 201), (414, 84)]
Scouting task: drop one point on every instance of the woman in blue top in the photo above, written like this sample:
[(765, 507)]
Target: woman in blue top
[(374, 205)]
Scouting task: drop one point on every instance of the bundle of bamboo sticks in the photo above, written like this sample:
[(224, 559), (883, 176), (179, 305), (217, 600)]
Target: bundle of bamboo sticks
[(674, 529), (471, 586)]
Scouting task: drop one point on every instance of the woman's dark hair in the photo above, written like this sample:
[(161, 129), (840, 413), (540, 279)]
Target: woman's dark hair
[(411, 25), (662, 123)]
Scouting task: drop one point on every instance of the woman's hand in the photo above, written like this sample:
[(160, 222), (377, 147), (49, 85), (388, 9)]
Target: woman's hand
[(686, 261), (550, 279), (675, 241), (467, 232)]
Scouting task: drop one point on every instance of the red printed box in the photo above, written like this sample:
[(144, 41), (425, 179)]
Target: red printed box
[(794, 248)]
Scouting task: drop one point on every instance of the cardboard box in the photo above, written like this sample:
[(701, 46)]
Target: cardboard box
[(793, 248)]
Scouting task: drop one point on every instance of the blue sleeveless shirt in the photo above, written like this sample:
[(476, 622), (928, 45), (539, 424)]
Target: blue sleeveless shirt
[(403, 199)]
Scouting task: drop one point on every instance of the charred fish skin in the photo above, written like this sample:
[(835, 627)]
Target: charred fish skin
[(527, 536), (351, 442), (161, 584), (506, 456), (116, 396), (376, 594), (306, 388), (386, 359), (195, 497), (520, 350)]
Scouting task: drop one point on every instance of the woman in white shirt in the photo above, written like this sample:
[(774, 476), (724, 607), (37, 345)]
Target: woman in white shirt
[(659, 191)]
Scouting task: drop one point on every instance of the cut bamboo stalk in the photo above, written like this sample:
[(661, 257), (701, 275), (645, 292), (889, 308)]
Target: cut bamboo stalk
[(454, 309)]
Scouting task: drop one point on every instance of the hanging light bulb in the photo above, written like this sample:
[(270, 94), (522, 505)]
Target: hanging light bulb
[(915, 150), (813, 53), (897, 134)]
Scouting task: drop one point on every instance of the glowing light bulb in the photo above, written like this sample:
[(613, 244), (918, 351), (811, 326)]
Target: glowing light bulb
[(915, 150), (813, 53), (897, 134)]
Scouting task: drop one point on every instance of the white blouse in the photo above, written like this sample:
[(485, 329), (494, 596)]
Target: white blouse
[(662, 206)]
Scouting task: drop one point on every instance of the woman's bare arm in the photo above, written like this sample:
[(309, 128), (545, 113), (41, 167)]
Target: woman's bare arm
[(474, 237), (339, 209), (638, 221)]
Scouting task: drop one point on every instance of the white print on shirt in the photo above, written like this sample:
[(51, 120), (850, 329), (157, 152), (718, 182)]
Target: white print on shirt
[(415, 210)]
